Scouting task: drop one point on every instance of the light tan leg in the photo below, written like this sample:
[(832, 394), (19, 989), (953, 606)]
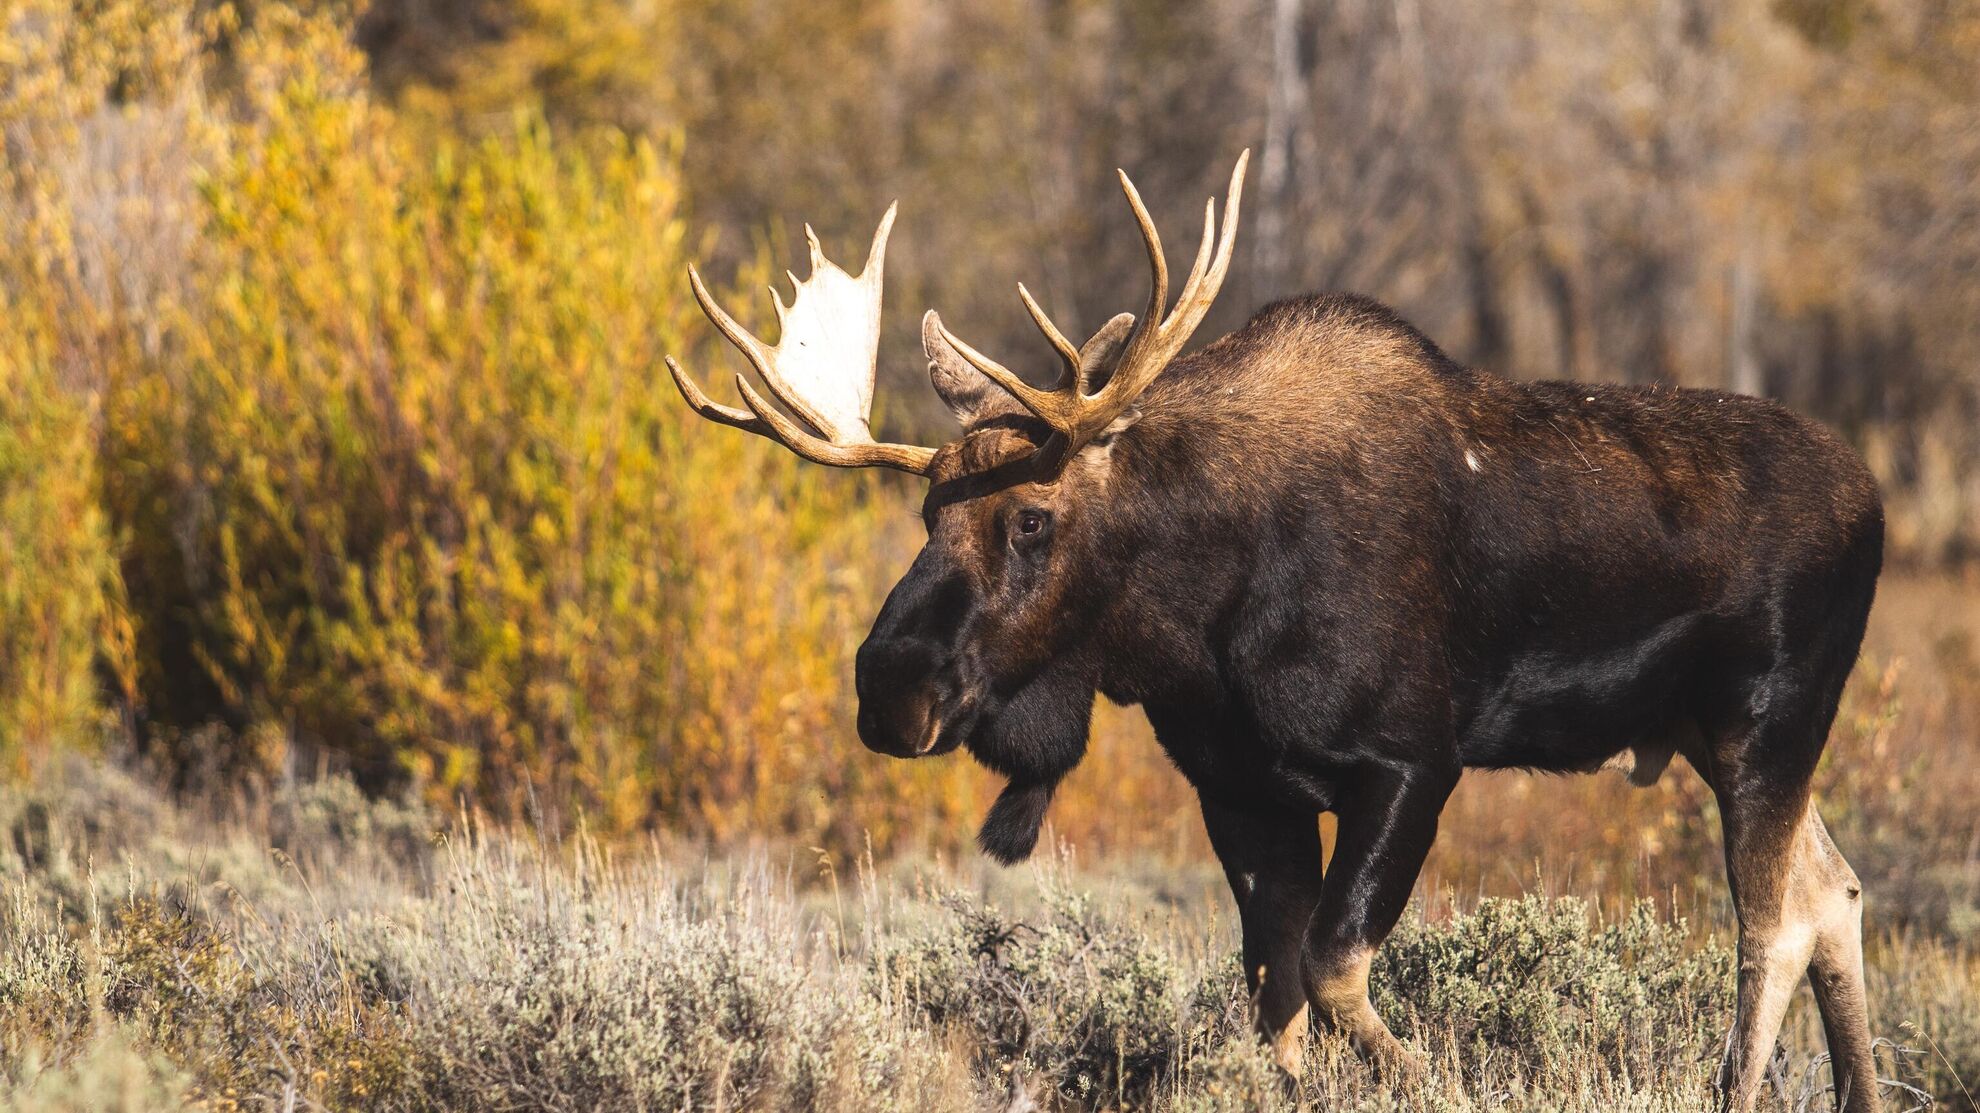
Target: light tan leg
[(1337, 984), (1289, 1045), (1834, 902), (1776, 941), (1800, 910)]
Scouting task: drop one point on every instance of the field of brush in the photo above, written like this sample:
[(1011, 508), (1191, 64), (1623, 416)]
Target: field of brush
[(305, 947), (407, 704)]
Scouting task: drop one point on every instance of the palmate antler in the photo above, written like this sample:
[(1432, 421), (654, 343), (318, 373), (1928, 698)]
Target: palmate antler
[(821, 367), (1076, 416)]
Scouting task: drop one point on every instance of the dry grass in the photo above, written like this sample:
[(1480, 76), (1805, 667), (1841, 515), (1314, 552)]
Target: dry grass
[(317, 949), (335, 441)]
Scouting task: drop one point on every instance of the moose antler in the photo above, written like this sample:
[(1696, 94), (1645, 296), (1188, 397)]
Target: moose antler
[(821, 367), (1076, 416)]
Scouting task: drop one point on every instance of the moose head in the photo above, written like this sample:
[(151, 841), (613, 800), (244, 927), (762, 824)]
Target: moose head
[(985, 642)]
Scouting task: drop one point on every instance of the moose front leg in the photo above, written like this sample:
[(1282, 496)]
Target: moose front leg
[(1387, 821), (1273, 863)]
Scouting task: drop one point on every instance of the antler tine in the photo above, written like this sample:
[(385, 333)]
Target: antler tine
[(1203, 250), (1150, 350), (876, 255), (1077, 418), (759, 358), (1227, 236), (709, 408), (821, 368), (1068, 354), (1158, 264), (859, 454), (737, 335)]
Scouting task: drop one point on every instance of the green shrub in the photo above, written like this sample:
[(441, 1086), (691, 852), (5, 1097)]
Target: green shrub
[(1540, 983), (45, 993), (510, 971), (1096, 1009), (111, 1075), (598, 1006), (186, 987), (177, 987), (323, 823)]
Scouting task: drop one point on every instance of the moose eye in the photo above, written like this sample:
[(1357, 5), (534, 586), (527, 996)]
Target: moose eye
[(1031, 524)]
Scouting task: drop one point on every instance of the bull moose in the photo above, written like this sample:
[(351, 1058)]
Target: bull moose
[(1336, 568)]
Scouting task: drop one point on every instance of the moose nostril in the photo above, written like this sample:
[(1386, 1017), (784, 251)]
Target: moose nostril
[(887, 669), (903, 684)]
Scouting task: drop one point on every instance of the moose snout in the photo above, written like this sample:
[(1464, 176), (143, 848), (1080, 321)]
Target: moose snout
[(901, 697)]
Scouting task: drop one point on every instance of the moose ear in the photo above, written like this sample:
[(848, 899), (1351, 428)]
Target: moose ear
[(1098, 359), (1101, 353), (969, 393)]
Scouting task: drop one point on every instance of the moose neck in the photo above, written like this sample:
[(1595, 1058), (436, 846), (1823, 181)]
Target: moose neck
[(1179, 542)]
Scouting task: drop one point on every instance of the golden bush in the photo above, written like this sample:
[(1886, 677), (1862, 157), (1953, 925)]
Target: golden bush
[(397, 479), (57, 579)]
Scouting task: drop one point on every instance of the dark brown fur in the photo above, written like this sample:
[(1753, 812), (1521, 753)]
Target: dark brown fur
[(1336, 568)]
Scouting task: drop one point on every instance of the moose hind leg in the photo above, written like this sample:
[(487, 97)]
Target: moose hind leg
[(1776, 939), (1833, 897), (1800, 909), (1797, 903), (1273, 863)]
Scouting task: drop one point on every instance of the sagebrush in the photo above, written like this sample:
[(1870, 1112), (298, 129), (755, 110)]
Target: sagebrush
[(368, 956)]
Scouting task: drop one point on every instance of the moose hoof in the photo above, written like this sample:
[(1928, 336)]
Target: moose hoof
[(1396, 1062)]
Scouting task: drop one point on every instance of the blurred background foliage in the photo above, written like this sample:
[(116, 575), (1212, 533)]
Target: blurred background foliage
[(1771, 196), (333, 433), (331, 439)]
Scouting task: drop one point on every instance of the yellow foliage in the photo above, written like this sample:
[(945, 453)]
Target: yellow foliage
[(397, 478), (57, 578), (60, 613)]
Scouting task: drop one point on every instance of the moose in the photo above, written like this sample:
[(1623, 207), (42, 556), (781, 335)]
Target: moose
[(1336, 568)]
